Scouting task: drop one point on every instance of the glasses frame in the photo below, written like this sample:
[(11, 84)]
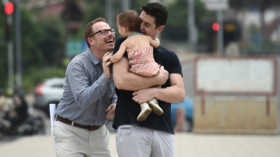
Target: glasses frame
[(104, 32)]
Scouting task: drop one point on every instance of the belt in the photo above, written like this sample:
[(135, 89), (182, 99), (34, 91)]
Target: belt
[(69, 122)]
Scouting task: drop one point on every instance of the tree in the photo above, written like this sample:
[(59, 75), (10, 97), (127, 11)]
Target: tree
[(31, 35), (3, 50), (52, 38), (177, 23)]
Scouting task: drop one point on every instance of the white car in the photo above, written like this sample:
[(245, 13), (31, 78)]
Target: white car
[(47, 92)]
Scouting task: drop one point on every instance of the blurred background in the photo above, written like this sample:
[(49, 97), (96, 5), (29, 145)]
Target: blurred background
[(39, 38)]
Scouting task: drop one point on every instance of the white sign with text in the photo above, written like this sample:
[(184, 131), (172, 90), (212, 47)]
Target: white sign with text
[(235, 75)]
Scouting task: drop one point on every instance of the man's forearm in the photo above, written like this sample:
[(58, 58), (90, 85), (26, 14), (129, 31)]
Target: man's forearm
[(171, 94), (126, 80)]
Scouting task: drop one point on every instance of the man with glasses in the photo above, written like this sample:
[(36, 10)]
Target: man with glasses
[(88, 98), (155, 136)]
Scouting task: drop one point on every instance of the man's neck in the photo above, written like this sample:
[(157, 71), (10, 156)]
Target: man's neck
[(99, 55)]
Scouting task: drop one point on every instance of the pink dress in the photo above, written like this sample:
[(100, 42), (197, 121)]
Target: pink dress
[(142, 61)]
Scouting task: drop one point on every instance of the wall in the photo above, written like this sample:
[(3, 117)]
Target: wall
[(236, 114)]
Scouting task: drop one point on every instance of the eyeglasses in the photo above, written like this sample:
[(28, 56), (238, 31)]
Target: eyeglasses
[(104, 32)]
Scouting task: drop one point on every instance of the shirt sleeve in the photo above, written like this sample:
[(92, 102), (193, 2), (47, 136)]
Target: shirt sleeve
[(114, 99), (118, 44)]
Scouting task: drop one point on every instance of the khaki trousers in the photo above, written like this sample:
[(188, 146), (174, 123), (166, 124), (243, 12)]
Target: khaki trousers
[(70, 141)]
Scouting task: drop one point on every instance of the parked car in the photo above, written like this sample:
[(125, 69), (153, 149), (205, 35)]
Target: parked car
[(47, 92)]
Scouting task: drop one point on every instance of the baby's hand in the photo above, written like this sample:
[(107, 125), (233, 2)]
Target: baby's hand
[(162, 76)]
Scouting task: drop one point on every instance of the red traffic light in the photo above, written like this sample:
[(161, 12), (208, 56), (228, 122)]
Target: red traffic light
[(216, 26), (9, 8)]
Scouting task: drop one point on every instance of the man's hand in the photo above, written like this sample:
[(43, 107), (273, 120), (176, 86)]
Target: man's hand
[(106, 64), (143, 95), (110, 111)]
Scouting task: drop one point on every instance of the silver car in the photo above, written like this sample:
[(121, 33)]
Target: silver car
[(47, 92)]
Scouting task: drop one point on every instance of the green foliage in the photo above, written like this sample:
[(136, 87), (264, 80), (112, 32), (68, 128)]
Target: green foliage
[(31, 36), (52, 37), (177, 24), (3, 50), (177, 11), (136, 5), (93, 10)]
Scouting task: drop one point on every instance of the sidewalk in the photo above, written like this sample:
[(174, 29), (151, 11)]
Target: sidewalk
[(186, 145)]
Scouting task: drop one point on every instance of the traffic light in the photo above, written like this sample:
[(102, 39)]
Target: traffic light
[(231, 33), (215, 26), (9, 8)]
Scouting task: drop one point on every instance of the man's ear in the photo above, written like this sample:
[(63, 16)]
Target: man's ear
[(90, 41), (160, 28)]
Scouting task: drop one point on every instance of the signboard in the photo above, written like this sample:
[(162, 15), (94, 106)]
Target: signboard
[(236, 75), (216, 4), (74, 47)]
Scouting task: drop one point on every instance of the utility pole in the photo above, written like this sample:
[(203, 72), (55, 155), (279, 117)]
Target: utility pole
[(9, 9), (191, 23), (220, 32), (18, 46)]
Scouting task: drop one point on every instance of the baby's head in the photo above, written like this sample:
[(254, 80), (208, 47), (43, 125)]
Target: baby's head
[(129, 21)]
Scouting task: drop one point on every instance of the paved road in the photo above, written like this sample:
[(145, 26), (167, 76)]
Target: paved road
[(186, 145)]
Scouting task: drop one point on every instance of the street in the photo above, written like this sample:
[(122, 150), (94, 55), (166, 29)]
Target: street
[(186, 145)]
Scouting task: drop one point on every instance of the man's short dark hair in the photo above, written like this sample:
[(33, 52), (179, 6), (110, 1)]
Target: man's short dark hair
[(158, 11)]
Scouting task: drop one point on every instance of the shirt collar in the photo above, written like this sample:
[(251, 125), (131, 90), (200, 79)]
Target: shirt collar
[(92, 57)]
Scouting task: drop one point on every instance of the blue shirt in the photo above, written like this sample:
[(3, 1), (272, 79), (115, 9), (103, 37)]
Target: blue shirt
[(87, 91)]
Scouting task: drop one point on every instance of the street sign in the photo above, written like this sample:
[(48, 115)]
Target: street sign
[(74, 47), (216, 4)]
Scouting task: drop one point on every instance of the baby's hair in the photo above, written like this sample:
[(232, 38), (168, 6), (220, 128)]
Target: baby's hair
[(129, 19)]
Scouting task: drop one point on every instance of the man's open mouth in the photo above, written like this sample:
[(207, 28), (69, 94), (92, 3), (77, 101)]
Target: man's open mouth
[(110, 41)]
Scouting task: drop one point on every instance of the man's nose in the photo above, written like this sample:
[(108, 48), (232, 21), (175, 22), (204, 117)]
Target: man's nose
[(111, 34)]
